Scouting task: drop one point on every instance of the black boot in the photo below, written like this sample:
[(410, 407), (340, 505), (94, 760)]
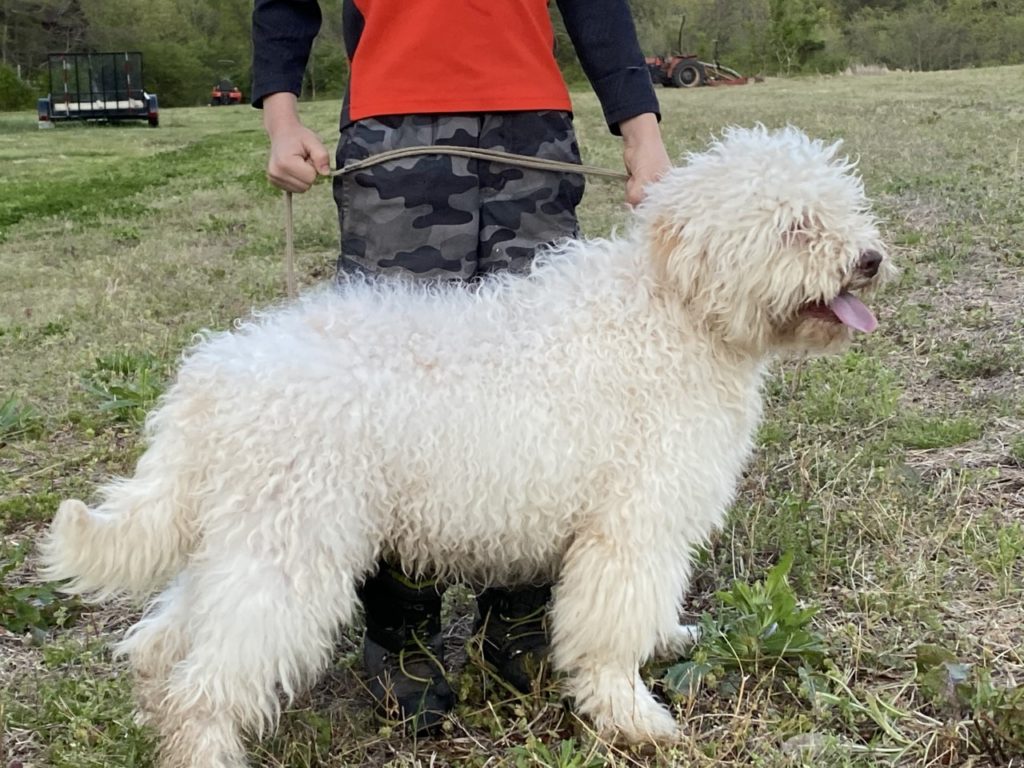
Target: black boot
[(515, 640), (403, 650)]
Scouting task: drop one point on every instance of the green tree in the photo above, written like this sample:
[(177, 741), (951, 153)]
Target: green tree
[(14, 92), (927, 35), (795, 31), (190, 44), (187, 45), (29, 29), (327, 71)]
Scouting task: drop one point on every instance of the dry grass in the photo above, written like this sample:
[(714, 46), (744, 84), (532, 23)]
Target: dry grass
[(895, 475)]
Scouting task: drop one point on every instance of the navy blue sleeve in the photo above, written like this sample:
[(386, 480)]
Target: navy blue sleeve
[(282, 37), (604, 36)]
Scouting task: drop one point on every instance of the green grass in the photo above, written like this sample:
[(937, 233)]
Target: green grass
[(892, 474), (79, 706), (125, 385), (113, 189), (17, 419), (917, 431), (18, 511)]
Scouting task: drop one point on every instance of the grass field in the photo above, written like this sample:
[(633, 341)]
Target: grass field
[(889, 480)]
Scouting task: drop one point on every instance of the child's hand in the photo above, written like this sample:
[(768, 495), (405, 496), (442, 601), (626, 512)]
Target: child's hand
[(643, 154), (297, 155)]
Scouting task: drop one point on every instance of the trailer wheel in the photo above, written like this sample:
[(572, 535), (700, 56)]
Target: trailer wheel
[(687, 76)]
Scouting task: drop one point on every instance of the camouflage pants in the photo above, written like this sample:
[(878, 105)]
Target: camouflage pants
[(435, 216)]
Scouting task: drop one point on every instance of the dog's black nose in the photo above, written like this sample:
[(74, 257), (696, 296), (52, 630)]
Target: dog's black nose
[(869, 263)]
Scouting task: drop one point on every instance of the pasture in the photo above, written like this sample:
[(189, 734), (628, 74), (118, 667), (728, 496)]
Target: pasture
[(889, 481)]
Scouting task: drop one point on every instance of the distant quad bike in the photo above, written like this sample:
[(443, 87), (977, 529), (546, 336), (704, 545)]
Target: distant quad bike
[(96, 86), (225, 93)]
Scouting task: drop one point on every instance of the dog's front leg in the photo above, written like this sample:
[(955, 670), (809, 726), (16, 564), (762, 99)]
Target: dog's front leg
[(678, 641), (615, 602)]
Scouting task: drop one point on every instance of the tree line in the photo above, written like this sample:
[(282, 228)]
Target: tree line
[(800, 36), (188, 45)]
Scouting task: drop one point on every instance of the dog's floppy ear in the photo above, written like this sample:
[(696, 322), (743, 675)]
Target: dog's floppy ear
[(663, 241), (714, 293), (678, 264)]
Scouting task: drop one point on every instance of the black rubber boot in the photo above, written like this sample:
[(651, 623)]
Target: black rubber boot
[(403, 650), (515, 636)]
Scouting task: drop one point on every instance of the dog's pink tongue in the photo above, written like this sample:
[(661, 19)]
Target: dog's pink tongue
[(853, 313)]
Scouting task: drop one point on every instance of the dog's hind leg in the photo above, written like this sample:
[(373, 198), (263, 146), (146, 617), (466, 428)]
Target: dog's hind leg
[(141, 533), (155, 644), (613, 605), (264, 610)]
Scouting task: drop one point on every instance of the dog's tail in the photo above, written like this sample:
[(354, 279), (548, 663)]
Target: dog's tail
[(133, 541)]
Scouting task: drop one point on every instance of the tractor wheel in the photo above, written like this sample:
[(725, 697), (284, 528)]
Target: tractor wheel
[(154, 121), (688, 76)]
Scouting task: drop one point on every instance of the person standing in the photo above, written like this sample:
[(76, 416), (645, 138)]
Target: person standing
[(471, 73)]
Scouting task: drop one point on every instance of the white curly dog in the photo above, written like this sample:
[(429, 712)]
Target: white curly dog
[(585, 423)]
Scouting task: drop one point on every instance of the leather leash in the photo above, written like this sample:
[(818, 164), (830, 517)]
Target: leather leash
[(474, 153)]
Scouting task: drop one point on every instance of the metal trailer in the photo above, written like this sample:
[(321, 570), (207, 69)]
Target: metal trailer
[(96, 86)]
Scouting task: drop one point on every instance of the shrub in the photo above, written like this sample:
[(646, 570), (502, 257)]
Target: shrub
[(758, 628), (15, 93)]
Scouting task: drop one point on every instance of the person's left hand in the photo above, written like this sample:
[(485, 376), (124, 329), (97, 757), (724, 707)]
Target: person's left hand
[(643, 154)]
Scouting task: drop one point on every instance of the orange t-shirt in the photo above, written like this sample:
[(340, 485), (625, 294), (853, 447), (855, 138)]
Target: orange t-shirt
[(438, 56)]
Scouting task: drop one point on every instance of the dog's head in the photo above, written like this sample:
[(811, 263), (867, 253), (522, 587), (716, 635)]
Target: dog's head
[(767, 240)]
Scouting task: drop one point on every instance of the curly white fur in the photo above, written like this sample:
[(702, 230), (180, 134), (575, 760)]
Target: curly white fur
[(585, 423)]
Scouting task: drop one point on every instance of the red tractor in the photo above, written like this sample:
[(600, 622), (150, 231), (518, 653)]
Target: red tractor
[(225, 93), (685, 70)]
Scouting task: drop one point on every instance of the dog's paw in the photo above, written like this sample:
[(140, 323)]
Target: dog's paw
[(626, 713), (659, 726), (680, 641), (648, 723)]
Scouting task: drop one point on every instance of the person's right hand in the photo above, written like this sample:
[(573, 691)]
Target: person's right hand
[(297, 155)]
